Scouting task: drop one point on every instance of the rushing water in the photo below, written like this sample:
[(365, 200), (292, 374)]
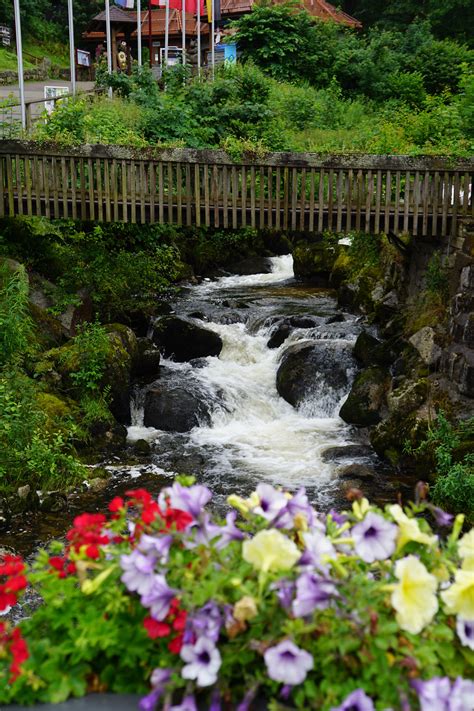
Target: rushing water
[(253, 435)]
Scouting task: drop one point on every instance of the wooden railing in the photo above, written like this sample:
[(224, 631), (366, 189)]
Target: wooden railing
[(284, 191)]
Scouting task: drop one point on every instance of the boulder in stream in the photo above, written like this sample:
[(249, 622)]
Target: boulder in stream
[(173, 408), (183, 340), (147, 361), (302, 365), (367, 398)]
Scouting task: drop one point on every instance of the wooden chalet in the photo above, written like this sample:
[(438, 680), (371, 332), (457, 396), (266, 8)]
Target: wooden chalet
[(124, 24)]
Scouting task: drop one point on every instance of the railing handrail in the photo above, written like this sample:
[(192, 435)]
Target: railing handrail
[(327, 161), (52, 98)]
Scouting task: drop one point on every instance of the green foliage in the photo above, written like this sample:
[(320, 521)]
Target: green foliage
[(454, 486), (86, 356), (33, 450), (16, 326), (437, 276)]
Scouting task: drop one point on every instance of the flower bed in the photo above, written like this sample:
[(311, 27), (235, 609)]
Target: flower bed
[(363, 610)]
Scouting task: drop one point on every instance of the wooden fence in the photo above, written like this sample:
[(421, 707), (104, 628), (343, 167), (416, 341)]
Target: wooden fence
[(283, 191)]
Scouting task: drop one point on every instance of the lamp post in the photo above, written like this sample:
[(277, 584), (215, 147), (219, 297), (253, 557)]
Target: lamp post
[(109, 42)]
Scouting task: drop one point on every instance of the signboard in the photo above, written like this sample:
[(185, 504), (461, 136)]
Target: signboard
[(5, 35), (51, 92), (175, 56), (83, 58)]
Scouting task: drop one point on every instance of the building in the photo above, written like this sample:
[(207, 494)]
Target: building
[(124, 24)]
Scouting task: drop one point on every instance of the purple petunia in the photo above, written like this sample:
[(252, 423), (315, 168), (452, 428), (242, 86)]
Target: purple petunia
[(317, 545), (229, 532), (192, 499), (356, 701), (439, 694), (465, 630), (138, 572), (272, 502), (288, 663), (203, 661), (206, 622), (285, 590), (374, 538), (297, 505), (187, 704), (159, 598), (312, 592), (441, 517), (158, 546), (247, 700), (158, 680)]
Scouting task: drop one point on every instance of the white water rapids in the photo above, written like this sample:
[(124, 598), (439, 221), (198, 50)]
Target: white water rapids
[(254, 434)]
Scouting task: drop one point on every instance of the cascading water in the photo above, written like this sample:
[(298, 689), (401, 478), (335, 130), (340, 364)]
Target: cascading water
[(253, 433)]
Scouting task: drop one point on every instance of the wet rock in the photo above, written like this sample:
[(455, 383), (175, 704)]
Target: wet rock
[(252, 265), (54, 502), (302, 365), (26, 499), (367, 398), (142, 448), (230, 317), (347, 451), (337, 318), (198, 362), (424, 341), (147, 361), (5, 514), (120, 360), (370, 351), (183, 340), (174, 408), (279, 336), (355, 471), (97, 484), (350, 484), (197, 314)]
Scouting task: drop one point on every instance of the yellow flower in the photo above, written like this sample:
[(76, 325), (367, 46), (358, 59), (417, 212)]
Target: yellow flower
[(409, 529), (414, 597), (270, 550), (245, 609), (466, 550), (360, 508), (243, 505), (459, 597)]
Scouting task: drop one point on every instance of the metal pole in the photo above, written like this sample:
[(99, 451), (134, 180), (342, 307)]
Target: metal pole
[(150, 40), (19, 54), (109, 42), (199, 36), (167, 33), (72, 51), (139, 32), (183, 30), (213, 37)]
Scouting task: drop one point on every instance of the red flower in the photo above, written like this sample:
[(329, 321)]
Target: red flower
[(87, 531), (16, 583), (6, 599), (179, 622), (116, 504), (156, 629), (92, 551), (19, 652), (62, 565), (176, 517), (175, 644), (12, 565)]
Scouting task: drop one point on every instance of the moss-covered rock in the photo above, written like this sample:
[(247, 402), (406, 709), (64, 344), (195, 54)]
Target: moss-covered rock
[(367, 398), (368, 350), (409, 396), (314, 261), (341, 269), (389, 437)]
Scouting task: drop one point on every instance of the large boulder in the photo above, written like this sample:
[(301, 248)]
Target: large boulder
[(183, 340), (302, 365), (368, 350), (174, 408), (147, 362), (424, 341), (122, 355), (367, 398), (252, 265), (314, 261)]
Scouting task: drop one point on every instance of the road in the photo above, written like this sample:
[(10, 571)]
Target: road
[(35, 89)]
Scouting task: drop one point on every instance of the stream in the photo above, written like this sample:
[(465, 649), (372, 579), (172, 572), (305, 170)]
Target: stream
[(251, 434)]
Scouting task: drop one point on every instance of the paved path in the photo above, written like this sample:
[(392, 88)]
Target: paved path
[(35, 89)]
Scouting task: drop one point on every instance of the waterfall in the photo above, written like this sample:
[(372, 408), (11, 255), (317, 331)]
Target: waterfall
[(254, 434)]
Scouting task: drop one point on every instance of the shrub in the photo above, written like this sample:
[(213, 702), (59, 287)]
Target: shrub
[(16, 326)]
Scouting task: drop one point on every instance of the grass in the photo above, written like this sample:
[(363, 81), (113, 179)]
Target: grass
[(57, 53)]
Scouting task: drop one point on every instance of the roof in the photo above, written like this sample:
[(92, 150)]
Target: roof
[(321, 9), (116, 15), (157, 24)]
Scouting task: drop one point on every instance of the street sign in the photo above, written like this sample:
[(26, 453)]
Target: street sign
[(51, 92)]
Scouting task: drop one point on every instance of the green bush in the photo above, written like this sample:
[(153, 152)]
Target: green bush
[(16, 326)]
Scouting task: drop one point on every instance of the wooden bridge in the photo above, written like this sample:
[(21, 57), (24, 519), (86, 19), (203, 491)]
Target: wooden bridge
[(284, 191)]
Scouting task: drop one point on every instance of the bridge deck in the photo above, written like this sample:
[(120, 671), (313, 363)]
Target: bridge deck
[(422, 195)]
